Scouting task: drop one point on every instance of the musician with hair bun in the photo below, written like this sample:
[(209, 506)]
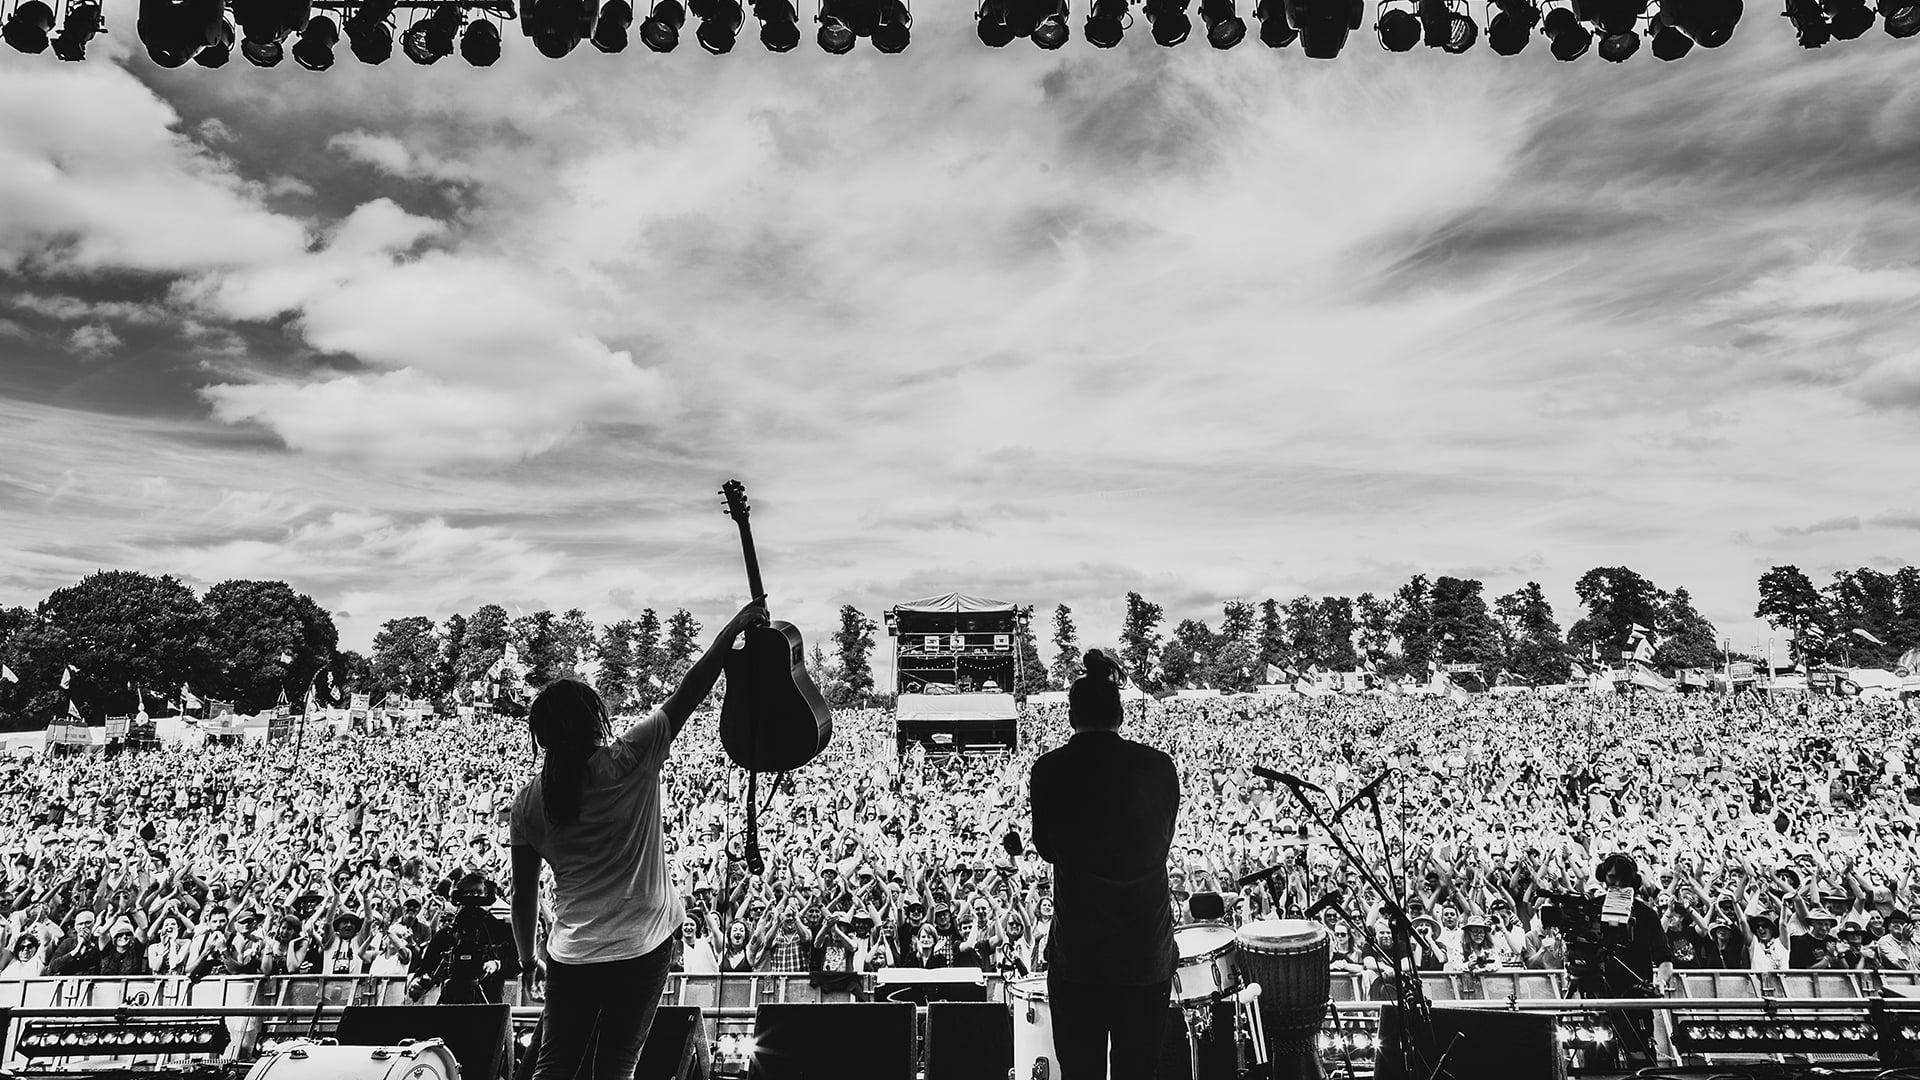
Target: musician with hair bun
[(1103, 815), (593, 815)]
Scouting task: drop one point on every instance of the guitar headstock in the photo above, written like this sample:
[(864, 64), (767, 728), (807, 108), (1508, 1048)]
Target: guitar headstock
[(736, 495)]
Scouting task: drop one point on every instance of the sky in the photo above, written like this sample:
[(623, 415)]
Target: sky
[(1043, 327)]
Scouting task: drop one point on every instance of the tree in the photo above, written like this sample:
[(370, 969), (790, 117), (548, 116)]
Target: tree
[(1140, 641), (649, 683), (124, 627), (853, 642), (1535, 650), (1865, 599), (1066, 648), (488, 632), (615, 679), (683, 645), (1273, 637), (1689, 641), (351, 672), (453, 640), (1334, 615), (1032, 677), (1788, 601), (1188, 656), (38, 652), (539, 640), (575, 636), (406, 657), (1464, 629), (1235, 665), (1306, 643), (1906, 626), (1413, 625), (1616, 599), (1374, 618), (251, 624)]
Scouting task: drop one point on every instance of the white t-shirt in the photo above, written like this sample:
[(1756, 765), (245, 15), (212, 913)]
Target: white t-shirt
[(611, 897)]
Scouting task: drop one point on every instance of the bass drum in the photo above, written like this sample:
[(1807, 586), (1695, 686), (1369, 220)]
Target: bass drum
[(427, 1059), (1032, 1029)]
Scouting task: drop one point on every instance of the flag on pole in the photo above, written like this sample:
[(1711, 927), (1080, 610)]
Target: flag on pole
[(7, 675), (1858, 632), (308, 708), (286, 656), (66, 677), (74, 711), (1643, 650), (1273, 673), (187, 700)]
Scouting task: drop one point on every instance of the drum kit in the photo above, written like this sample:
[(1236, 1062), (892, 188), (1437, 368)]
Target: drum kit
[(1273, 972), (301, 1059)]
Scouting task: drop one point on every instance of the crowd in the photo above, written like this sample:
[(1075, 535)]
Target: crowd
[(1769, 835)]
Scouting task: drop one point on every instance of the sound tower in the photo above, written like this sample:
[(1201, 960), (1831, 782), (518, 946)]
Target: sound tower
[(1485, 1042), (966, 1041), (834, 1042), (478, 1036)]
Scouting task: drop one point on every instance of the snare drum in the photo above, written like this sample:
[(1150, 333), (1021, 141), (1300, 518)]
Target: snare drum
[(427, 1059), (1206, 966), (1032, 1029)]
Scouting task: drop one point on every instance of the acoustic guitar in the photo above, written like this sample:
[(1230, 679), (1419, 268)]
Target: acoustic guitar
[(773, 718)]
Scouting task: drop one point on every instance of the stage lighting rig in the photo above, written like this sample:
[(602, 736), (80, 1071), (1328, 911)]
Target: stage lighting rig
[(30, 27), (720, 23), (1809, 23), (480, 43), (174, 31), (1511, 26), (1900, 18), (431, 38), (1225, 28), (219, 47), (1669, 41), (893, 32), (1616, 48), (1275, 33), (610, 30), (1397, 28), (1848, 18), (314, 50), (1708, 22), (370, 32), (557, 27), (1107, 22), (1044, 22), (1323, 25)]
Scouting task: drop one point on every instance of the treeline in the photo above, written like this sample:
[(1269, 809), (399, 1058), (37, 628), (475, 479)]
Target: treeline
[(118, 632)]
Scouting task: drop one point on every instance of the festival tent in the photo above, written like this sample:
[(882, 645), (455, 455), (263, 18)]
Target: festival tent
[(26, 742), (1048, 697), (1196, 693)]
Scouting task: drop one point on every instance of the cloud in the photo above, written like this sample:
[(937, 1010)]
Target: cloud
[(1850, 523), (93, 341), (391, 156)]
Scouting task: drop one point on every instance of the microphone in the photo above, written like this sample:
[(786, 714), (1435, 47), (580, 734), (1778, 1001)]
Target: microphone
[(1288, 779), (1325, 902), (1372, 788), (1259, 876)]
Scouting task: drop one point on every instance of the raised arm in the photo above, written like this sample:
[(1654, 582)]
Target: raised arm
[(699, 679)]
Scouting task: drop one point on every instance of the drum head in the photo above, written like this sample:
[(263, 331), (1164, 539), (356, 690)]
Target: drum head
[(1194, 940), (1282, 935), (1027, 988)]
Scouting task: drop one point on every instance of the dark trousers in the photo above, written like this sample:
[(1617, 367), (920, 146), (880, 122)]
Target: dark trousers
[(1088, 1018), (600, 1012)]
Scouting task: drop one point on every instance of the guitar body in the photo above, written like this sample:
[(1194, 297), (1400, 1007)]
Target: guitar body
[(773, 718)]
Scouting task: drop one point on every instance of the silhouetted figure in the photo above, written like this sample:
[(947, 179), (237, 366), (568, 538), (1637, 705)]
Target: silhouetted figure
[(1103, 815)]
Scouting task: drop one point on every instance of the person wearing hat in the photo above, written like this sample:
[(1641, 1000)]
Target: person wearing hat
[(1104, 814), (1479, 951), (1895, 949), (1765, 950), (126, 954), (347, 948), (1852, 951), (1816, 948), (1429, 953)]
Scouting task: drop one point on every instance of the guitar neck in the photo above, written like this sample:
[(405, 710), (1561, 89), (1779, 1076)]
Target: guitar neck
[(753, 561)]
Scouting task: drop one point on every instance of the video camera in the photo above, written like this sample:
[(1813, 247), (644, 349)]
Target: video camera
[(1590, 941)]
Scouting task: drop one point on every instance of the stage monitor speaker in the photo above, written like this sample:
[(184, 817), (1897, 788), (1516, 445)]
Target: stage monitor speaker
[(966, 1041), (676, 1046), (815, 1042), (478, 1036), (1484, 1042)]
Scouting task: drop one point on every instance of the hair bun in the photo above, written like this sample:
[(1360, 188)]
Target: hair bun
[(1099, 664)]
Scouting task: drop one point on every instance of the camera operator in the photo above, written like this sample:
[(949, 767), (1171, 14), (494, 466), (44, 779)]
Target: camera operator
[(470, 955), (1617, 948)]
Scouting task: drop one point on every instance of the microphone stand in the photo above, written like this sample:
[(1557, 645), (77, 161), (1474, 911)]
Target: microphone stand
[(1416, 1035)]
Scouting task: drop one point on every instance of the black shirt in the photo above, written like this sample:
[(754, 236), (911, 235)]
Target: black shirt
[(1103, 815)]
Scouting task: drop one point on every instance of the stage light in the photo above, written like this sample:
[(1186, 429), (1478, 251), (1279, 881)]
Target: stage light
[(1669, 41), (1397, 28), (431, 38), (1708, 22), (1900, 18), (1050, 26), (1611, 17), (835, 36), (480, 43), (1323, 25), (30, 27), (219, 47), (1809, 23), (992, 24), (779, 24), (265, 24), (1616, 48), (1511, 27), (314, 50), (83, 21), (1442, 27), (720, 22), (557, 27), (369, 35), (660, 30), (1568, 40), (894, 32), (1225, 28), (1107, 22), (1848, 18), (1275, 33), (1169, 21), (610, 32)]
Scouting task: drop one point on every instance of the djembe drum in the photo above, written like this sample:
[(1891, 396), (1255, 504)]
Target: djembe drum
[(1289, 958)]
